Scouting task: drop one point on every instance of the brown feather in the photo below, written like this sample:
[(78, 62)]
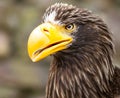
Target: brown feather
[(85, 68)]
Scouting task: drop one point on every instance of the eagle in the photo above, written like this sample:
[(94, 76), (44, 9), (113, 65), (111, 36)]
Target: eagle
[(82, 49)]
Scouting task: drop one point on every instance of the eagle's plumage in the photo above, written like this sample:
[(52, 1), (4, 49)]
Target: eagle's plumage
[(85, 69)]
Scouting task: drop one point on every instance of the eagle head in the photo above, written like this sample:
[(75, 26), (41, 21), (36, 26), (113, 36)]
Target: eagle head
[(68, 29)]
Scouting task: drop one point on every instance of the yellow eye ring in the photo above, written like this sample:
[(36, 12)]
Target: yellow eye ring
[(69, 27)]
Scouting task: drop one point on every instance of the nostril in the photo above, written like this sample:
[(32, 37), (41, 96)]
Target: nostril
[(45, 30)]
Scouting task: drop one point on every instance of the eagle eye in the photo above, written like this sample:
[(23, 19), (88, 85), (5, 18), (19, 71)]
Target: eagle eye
[(69, 27)]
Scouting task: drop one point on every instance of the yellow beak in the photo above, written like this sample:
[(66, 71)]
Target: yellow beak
[(47, 39)]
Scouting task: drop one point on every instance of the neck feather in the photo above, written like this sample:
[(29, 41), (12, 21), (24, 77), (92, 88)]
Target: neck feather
[(77, 75)]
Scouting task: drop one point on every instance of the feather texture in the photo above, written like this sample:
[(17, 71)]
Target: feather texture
[(85, 68)]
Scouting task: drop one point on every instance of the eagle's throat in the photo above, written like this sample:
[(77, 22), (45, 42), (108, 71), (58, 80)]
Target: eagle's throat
[(79, 76)]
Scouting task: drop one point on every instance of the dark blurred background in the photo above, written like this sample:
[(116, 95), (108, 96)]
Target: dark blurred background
[(19, 76)]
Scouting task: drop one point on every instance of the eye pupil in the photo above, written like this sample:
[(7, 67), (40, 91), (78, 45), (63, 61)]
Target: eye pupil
[(69, 26)]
